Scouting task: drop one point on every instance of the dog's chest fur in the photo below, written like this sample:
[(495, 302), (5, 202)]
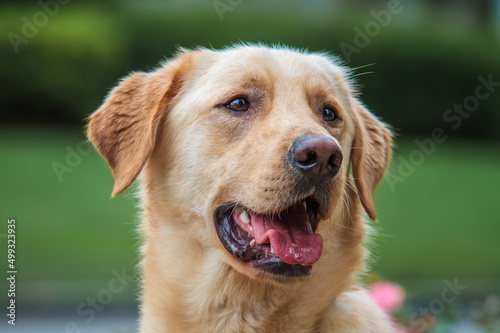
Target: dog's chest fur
[(230, 302)]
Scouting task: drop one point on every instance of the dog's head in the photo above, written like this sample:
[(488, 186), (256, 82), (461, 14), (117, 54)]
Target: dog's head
[(247, 149)]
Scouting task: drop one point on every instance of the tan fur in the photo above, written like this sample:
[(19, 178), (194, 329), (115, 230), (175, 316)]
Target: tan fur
[(195, 156)]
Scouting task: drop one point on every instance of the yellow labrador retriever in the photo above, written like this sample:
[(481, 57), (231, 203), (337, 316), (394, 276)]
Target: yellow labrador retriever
[(252, 221)]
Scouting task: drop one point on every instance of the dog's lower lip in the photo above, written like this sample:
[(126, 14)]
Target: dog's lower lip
[(240, 242), (276, 266)]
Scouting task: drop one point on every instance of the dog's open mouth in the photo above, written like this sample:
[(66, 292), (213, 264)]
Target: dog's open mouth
[(281, 243)]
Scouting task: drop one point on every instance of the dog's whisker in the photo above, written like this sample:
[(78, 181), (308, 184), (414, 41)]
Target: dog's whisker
[(345, 201), (349, 78), (186, 240), (352, 187), (360, 74), (362, 66), (345, 79)]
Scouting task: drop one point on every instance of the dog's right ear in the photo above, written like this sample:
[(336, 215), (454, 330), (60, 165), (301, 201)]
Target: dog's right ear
[(371, 154), (124, 128)]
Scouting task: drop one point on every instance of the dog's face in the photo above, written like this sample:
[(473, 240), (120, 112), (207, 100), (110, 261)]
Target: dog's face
[(249, 149)]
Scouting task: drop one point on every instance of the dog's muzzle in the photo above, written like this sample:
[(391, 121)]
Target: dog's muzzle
[(284, 242)]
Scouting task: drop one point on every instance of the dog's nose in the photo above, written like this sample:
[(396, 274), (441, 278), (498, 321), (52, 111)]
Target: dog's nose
[(317, 157)]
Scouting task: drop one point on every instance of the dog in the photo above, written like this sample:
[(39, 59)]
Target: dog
[(252, 217)]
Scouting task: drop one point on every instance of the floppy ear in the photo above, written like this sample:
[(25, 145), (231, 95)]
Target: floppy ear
[(370, 155), (124, 128)]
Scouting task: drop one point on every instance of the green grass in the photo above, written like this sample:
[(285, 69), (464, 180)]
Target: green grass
[(67, 230), (442, 222)]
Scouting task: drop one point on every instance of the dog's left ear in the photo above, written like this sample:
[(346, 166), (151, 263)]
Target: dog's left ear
[(125, 126), (371, 154)]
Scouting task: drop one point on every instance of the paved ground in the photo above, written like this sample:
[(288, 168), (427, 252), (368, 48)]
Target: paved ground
[(126, 324), (101, 324)]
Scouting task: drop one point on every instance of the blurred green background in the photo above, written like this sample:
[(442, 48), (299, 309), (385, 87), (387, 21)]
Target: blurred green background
[(419, 63)]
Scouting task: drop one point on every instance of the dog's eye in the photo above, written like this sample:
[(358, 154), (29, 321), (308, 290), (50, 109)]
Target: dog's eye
[(238, 104), (329, 113)]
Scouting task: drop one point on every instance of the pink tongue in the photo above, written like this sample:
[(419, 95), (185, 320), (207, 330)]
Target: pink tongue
[(290, 236)]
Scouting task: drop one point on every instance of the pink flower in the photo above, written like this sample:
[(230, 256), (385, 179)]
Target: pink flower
[(388, 296)]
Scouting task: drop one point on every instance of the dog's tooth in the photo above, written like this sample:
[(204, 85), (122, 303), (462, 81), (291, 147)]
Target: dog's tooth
[(245, 217), (305, 205), (272, 250)]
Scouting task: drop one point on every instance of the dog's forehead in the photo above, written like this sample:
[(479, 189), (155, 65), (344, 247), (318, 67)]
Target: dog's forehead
[(253, 64)]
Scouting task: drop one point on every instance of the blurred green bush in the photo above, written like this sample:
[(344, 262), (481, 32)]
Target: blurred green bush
[(421, 69)]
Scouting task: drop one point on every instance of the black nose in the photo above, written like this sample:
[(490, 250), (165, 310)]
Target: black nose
[(317, 157)]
